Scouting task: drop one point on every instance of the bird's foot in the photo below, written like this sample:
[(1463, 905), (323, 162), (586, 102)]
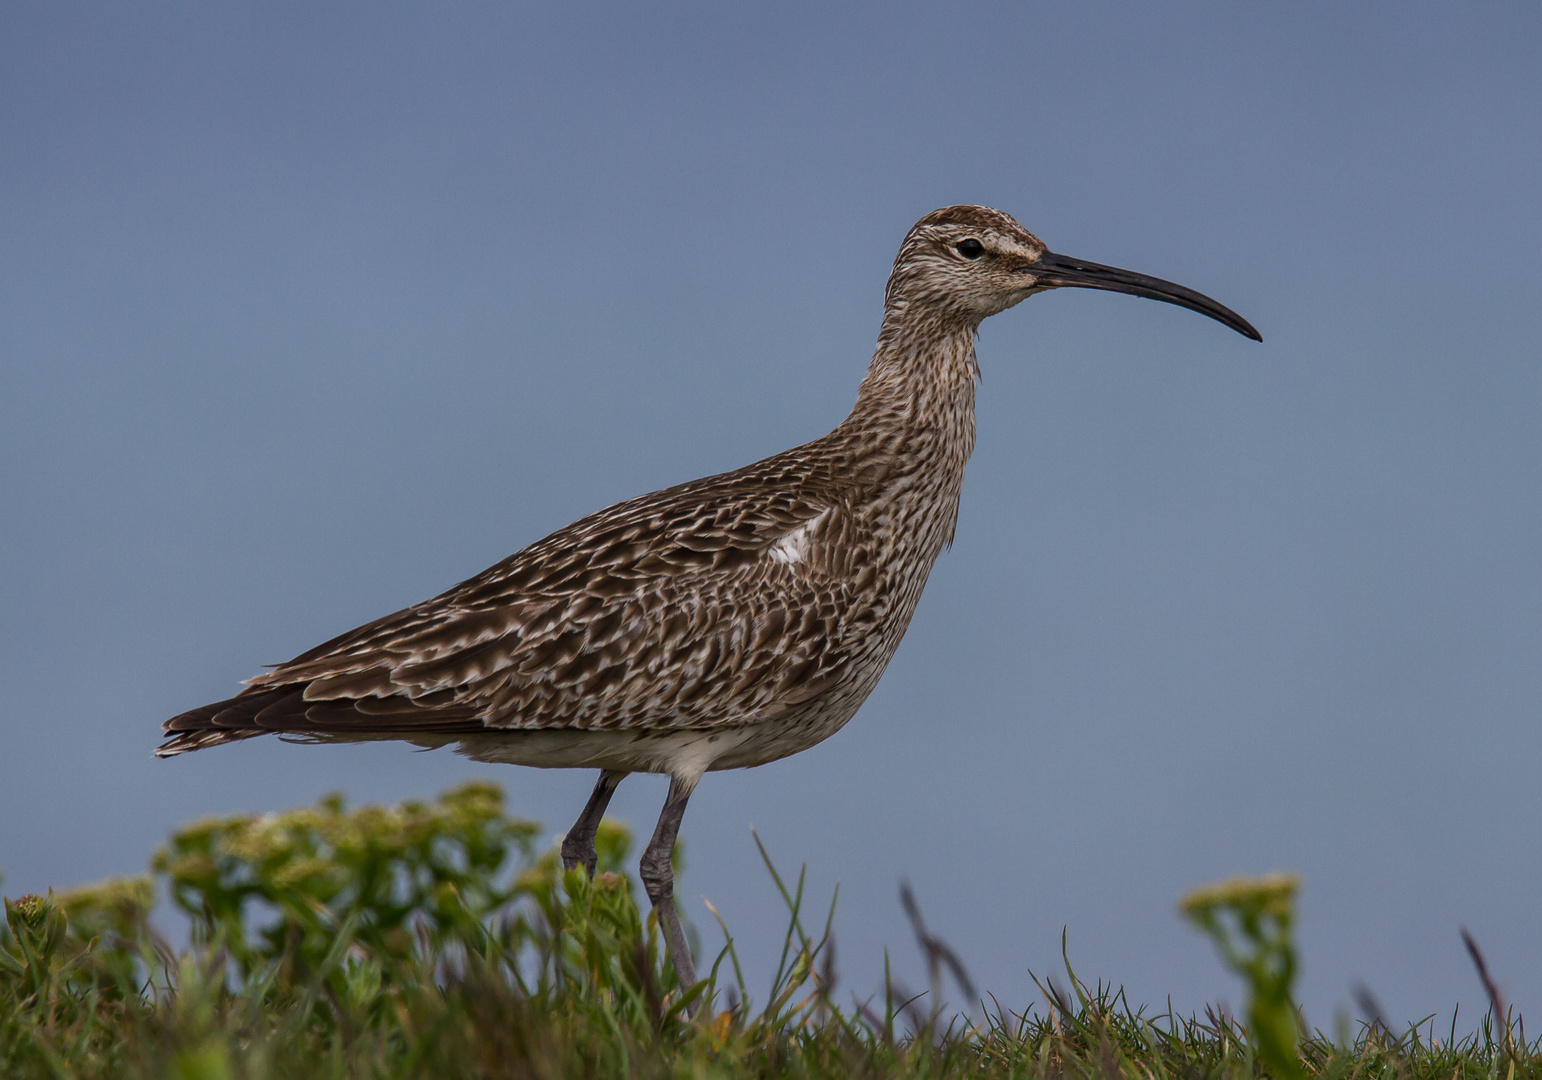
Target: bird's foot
[(657, 871)]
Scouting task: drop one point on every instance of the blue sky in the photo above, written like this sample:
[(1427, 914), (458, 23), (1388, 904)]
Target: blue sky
[(309, 311)]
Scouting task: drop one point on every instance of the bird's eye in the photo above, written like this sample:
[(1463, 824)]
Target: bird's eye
[(970, 249)]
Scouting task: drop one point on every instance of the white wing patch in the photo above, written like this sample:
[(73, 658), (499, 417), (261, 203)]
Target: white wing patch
[(793, 548)]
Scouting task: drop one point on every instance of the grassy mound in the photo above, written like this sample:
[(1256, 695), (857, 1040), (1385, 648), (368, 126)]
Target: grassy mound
[(436, 940)]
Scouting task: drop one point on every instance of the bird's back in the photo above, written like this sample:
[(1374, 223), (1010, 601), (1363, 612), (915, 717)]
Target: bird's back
[(739, 599)]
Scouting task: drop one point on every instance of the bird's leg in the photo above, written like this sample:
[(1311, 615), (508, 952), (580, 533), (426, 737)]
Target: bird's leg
[(658, 877), (578, 844)]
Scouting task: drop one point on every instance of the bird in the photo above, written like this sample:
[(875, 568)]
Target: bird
[(719, 624)]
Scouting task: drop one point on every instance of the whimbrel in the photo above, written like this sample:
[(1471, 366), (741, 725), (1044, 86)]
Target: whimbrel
[(719, 624)]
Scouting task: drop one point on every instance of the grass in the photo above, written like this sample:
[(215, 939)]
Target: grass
[(434, 939)]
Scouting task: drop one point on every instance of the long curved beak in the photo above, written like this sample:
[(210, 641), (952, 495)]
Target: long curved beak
[(1061, 271)]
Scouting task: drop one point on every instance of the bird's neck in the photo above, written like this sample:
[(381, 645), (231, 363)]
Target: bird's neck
[(907, 440), (917, 398)]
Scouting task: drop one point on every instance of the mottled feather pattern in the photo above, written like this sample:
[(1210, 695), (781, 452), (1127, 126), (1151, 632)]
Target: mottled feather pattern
[(768, 599), (664, 611)]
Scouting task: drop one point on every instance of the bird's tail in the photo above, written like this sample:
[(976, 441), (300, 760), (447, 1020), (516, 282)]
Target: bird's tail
[(224, 721)]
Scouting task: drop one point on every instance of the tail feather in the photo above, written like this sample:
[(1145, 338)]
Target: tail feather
[(285, 711)]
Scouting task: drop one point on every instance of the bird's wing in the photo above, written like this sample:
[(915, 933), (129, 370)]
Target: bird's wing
[(726, 600)]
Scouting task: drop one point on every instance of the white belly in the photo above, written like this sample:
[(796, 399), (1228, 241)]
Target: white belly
[(684, 753)]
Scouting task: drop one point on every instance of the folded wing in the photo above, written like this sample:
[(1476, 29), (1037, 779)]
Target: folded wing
[(718, 602)]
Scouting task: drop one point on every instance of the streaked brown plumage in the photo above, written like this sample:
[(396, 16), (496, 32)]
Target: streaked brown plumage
[(722, 623)]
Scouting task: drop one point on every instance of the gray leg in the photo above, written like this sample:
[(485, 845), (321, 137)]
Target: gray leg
[(578, 844), (658, 877)]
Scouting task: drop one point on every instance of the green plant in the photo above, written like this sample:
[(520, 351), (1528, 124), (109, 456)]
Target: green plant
[(1249, 919), (435, 939), (279, 887)]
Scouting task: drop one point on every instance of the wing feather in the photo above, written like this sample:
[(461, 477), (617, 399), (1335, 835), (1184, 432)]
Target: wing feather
[(674, 609)]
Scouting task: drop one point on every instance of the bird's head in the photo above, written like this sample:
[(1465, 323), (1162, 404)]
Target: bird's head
[(970, 262)]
